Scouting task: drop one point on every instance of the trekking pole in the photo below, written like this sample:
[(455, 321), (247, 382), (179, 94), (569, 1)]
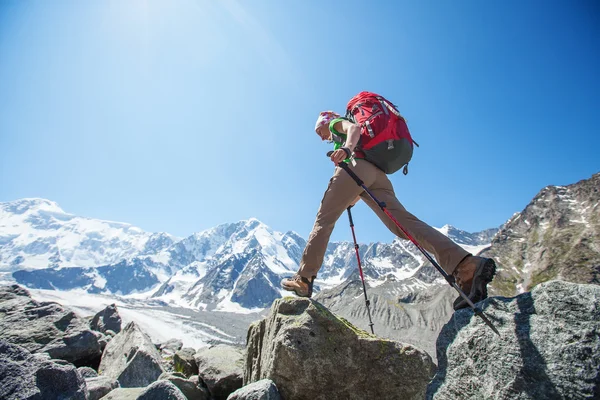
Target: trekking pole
[(367, 302), (449, 278)]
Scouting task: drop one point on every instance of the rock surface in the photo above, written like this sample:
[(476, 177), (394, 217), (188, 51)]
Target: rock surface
[(184, 362), (46, 327), (31, 376), (124, 394), (549, 347), (171, 346), (264, 389), (87, 372), (131, 358), (161, 390), (310, 353), (100, 386), (221, 367), (192, 389), (107, 320)]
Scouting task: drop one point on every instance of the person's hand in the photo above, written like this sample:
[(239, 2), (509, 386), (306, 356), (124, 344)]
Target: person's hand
[(338, 156)]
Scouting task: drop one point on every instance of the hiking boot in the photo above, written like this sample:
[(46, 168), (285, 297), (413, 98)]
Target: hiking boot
[(472, 275), (299, 285)]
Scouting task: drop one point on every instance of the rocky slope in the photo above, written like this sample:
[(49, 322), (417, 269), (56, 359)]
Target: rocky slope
[(548, 347), (557, 236)]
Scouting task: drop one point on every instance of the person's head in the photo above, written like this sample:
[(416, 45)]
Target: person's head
[(322, 125)]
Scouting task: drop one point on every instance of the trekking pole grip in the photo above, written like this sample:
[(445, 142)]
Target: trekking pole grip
[(346, 168)]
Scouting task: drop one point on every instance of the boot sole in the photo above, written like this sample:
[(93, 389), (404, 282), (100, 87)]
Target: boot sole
[(483, 275), (296, 293)]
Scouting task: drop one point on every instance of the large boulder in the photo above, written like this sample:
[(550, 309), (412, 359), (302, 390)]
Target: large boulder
[(184, 362), (264, 389), (548, 348), (33, 376), (221, 367), (46, 327), (107, 320), (310, 353), (161, 390), (131, 358), (192, 389), (100, 386)]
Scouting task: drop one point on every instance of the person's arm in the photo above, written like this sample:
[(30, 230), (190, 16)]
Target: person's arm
[(352, 132)]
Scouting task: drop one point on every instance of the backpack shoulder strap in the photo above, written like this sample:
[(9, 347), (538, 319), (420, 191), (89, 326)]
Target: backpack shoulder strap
[(337, 136)]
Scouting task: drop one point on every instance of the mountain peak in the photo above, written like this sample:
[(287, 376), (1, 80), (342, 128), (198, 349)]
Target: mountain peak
[(22, 206)]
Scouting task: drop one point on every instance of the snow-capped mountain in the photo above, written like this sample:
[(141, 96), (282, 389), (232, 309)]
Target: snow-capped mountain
[(231, 267), (37, 233)]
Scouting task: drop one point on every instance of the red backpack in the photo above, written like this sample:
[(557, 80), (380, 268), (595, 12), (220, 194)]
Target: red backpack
[(385, 139)]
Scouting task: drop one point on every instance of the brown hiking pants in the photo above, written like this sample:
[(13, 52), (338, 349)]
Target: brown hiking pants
[(342, 191)]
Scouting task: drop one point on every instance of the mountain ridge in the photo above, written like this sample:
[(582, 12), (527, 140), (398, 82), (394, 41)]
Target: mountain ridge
[(225, 267)]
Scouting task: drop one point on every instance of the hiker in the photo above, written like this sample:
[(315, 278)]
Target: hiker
[(472, 273)]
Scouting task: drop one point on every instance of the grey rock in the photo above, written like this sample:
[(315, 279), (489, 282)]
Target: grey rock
[(310, 353), (131, 358), (549, 347), (221, 368), (124, 394), (184, 362), (167, 374), (161, 390), (192, 389), (100, 386), (107, 320), (27, 376), (87, 372), (265, 389), (46, 327), (171, 346), (103, 341), (75, 347)]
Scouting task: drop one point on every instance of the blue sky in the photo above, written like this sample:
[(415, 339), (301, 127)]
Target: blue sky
[(179, 115)]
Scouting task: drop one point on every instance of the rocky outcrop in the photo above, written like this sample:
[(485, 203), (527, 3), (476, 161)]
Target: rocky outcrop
[(184, 362), (555, 237), (46, 327), (549, 347), (131, 358), (107, 320), (34, 376), (264, 389), (310, 353), (221, 367)]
